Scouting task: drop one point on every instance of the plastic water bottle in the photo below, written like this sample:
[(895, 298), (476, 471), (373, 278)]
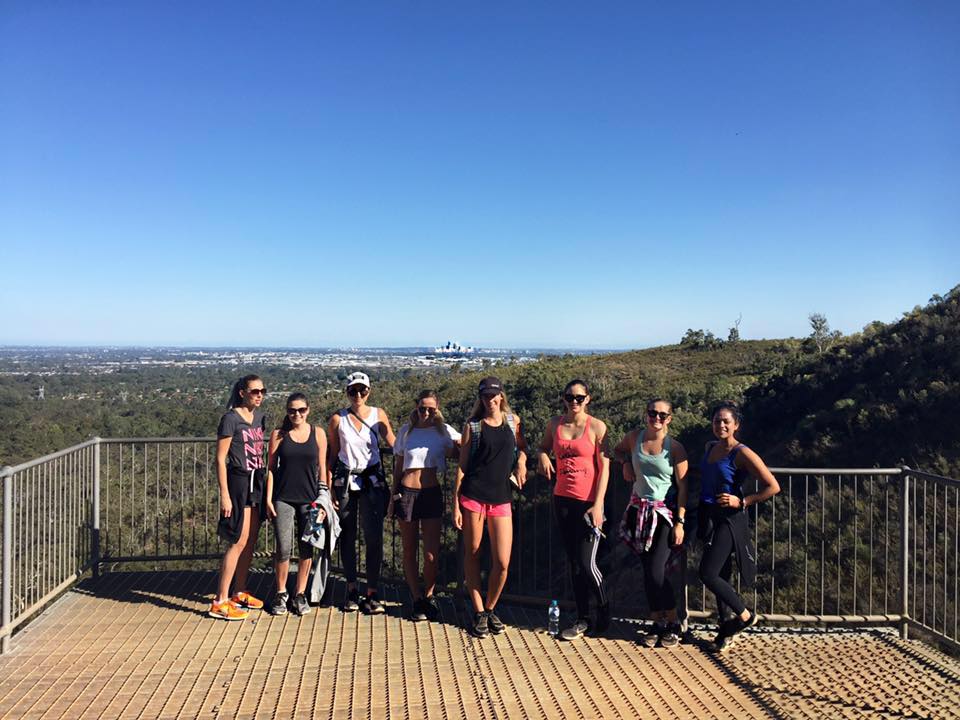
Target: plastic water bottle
[(553, 619)]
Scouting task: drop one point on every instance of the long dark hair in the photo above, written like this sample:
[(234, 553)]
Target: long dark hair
[(236, 399), (438, 421), (287, 426)]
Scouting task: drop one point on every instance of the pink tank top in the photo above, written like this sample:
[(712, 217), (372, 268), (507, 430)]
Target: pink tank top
[(576, 466)]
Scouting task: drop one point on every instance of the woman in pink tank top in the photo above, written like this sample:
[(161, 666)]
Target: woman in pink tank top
[(578, 442)]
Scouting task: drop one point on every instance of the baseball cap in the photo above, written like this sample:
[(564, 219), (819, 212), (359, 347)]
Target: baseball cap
[(490, 385), (358, 378)]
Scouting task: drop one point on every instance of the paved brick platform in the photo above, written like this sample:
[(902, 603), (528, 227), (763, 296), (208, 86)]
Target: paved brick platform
[(138, 645)]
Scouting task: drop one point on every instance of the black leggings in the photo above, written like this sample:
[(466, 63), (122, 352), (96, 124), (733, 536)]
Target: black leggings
[(581, 544), (369, 504), (657, 584), (716, 567)]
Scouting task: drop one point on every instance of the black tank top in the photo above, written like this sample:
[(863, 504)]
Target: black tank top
[(295, 480), (487, 479)]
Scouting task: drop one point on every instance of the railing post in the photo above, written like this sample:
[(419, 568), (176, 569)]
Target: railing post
[(5, 476), (95, 512), (904, 552)]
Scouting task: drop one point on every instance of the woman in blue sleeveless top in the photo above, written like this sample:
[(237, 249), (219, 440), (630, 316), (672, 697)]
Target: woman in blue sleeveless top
[(723, 522)]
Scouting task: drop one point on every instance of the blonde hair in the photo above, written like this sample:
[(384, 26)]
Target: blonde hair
[(439, 424), (479, 409)]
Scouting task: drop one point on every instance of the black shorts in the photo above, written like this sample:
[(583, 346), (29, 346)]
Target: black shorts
[(241, 496), (423, 504)]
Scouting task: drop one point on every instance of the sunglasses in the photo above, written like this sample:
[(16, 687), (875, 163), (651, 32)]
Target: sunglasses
[(571, 398), (297, 411), (256, 391), (426, 410), (357, 390), (653, 415)]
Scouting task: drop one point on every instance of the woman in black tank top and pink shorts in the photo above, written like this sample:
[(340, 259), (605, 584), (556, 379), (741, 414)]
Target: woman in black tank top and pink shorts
[(578, 441), (482, 495)]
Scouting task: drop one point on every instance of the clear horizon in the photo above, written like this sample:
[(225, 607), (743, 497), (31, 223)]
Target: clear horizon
[(541, 176)]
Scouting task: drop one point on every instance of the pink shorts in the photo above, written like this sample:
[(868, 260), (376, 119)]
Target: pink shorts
[(501, 510)]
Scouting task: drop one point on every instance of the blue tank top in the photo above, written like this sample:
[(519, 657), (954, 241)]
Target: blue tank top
[(721, 476)]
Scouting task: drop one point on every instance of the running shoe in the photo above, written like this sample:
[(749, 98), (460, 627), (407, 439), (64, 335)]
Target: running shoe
[(278, 606), (738, 625), (431, 609), (479, 627), (670, 638), (652, 636), (301, 606), (226, 610), (370, 605), (417, 612), (246, 600), (494, 623), (722, 642), (575, 631), (352, 603)]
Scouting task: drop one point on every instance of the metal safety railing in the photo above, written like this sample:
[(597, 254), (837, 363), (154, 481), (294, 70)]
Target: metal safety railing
[(878, 546)]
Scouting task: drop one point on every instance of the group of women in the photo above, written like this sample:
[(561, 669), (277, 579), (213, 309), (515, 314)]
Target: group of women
[(302, 461)]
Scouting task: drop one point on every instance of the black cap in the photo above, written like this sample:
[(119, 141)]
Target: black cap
[(490, 385)]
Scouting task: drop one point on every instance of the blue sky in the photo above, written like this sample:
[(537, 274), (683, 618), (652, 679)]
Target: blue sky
[(553, 175)]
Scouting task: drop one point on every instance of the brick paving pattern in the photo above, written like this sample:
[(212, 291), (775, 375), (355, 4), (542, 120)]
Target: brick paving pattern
[(139, 645)]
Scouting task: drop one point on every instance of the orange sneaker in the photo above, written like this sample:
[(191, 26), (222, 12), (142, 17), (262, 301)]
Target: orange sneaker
[(226, 611), (246, 600)]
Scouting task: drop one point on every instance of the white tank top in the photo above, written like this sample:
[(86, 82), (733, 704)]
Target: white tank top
[(359, 449)]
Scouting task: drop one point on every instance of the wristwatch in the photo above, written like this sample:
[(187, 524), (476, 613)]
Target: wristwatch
[(680, 521)]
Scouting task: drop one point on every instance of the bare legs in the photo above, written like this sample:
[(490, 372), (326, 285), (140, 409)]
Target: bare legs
[(500, 530), (235, 565), (282, 571), (409, 532)]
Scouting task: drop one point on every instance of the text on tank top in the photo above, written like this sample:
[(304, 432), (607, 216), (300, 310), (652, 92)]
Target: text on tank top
[(576, 465), (653, 473), (295, 480), (359, 449)]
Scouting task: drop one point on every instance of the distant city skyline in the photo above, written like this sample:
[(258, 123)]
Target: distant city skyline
[(533, 176)]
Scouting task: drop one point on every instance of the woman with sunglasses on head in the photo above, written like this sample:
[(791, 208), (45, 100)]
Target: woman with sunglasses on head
[(578, 441), (420, 454), (296, 463), (240, 479), (359, 485), (723, 524), (492, 455), (655, 464)]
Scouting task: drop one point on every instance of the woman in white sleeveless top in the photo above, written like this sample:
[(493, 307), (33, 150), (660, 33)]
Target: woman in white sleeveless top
[(359, 484)]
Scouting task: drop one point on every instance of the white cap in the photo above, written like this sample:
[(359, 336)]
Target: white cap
[(358, 378)]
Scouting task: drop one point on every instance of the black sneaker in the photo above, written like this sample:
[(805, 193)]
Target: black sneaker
[(352, 603), (670, 638), (494, 623), (417, 612), (301, 605), (479, 627), (278, 606), (652, 636), (431, 609), (722, 642), (738, 625), (371, 606), (575, 631)]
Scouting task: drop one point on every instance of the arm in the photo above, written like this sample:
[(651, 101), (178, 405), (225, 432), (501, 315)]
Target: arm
[(398, 451), (458, 478), (321, 455), (603, 466), (544, 466), (271, 467), (223, 447), (750, 461), (333, 446), (521, 454), (680, 468), (622, 454), (387, 430)]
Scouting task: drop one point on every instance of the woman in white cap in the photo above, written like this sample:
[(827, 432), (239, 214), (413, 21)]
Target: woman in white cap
[(492, 457), (359, 484)]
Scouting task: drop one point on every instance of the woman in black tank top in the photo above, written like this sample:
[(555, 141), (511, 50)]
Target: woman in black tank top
[(492, 446), (296, 464)]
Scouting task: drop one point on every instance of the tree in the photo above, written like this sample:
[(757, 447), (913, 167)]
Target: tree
[(734, 335), (820, 332)]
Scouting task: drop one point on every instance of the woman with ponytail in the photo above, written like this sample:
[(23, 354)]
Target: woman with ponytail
[(420, 454), (240, 479), (297, 462)]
